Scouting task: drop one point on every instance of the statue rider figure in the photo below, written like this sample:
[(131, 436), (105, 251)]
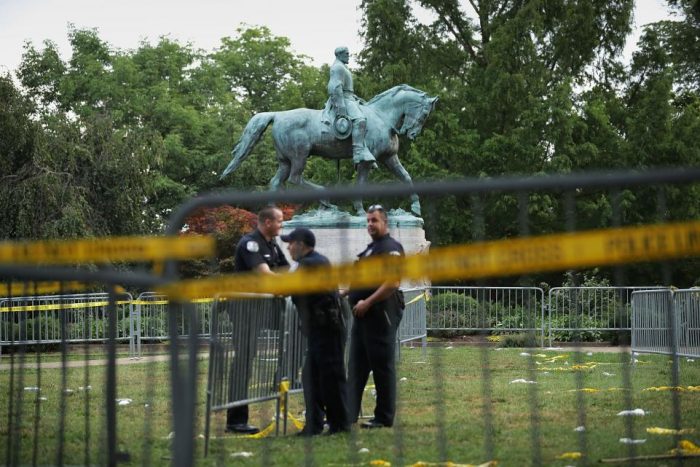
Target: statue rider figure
[(346, 103)]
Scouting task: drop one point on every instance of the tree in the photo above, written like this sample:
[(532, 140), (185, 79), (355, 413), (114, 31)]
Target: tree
[(258, 67), (65, 179)]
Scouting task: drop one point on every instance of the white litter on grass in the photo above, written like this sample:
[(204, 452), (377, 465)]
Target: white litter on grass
[(498, 348), (146, 405), (580, 428), (363, 451), (590, 354), (124, 401), (32, 389), (449, 347), (524, 354), (171, 435), (404, 379), (418, 362), (635, 353), (242, 454), (605, 373), (689, 360), (554, 348), (632, 413), (522, 380), (632, 441), (68, 391), (86, 388), (43, 399)]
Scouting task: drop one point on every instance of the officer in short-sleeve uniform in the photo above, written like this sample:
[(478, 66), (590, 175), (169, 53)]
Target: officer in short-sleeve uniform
[(373, 337), (323, 374), (252, 251)]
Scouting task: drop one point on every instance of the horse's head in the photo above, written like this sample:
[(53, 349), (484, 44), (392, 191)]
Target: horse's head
[(416, 111)]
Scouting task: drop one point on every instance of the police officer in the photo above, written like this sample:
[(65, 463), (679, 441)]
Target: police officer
[(377, 313), (323, 375), (257, 251)]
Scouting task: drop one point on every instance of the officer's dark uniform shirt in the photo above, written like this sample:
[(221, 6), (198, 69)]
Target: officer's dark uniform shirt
[(385, 245), (310, 303), (253, 250)]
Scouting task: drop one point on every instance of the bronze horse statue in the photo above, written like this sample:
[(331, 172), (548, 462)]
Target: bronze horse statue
[(300, 133)]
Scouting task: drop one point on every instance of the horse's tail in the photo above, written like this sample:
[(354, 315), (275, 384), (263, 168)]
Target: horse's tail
[(251, 135)]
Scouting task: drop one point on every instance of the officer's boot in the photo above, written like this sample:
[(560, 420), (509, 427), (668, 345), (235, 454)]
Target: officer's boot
[(360, 153)]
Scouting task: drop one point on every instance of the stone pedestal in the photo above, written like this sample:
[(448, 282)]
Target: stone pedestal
[(341, 236)]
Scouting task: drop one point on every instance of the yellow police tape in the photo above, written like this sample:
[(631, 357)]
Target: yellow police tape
[(655, 430), (283, 390), (420, 296), (59, 306), (471, 261), (101, 250)]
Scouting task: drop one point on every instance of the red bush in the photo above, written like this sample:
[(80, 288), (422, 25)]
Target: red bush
[(225, 221)]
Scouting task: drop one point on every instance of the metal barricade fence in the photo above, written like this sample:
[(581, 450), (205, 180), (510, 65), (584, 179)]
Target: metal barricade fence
[(36, 319), (413, 324), (247, 358), (664, 320), (518, 432), (586, 311), (509, 309), (150, 319), (293, 347), (687, 306)]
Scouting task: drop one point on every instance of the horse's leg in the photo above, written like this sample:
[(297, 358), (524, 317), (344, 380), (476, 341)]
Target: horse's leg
[(283, 169), (363, 169), (297, 169), (394, 165)]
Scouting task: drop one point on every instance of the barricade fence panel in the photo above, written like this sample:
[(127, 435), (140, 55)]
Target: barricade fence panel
[(584, 313), (467, 405), (486, 309), (247, 343), (666, 321), (687, 305), (413, 324), (150, 319), (37, 319)]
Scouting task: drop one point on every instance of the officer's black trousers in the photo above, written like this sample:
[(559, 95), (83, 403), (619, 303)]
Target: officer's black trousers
[(373, 348), (325, 382)]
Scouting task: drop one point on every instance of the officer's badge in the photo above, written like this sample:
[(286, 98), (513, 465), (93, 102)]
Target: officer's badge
[(252, 246), (394, 253)]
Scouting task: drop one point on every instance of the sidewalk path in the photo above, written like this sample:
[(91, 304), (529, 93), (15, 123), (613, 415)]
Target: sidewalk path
[(31, 365)]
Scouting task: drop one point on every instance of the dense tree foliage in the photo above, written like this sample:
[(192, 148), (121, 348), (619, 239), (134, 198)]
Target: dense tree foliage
[(109, 141)]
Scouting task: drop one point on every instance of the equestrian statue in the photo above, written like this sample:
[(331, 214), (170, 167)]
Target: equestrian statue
[(346, 128)]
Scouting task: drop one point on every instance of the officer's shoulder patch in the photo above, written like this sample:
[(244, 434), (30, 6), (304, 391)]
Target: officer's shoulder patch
[(252, 246)]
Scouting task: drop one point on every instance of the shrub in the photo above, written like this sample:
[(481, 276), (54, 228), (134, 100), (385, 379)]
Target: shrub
[(580, 328), (452, 310), (521, 339)]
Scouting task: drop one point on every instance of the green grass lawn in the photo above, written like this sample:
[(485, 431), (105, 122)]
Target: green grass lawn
[(441, 413)]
